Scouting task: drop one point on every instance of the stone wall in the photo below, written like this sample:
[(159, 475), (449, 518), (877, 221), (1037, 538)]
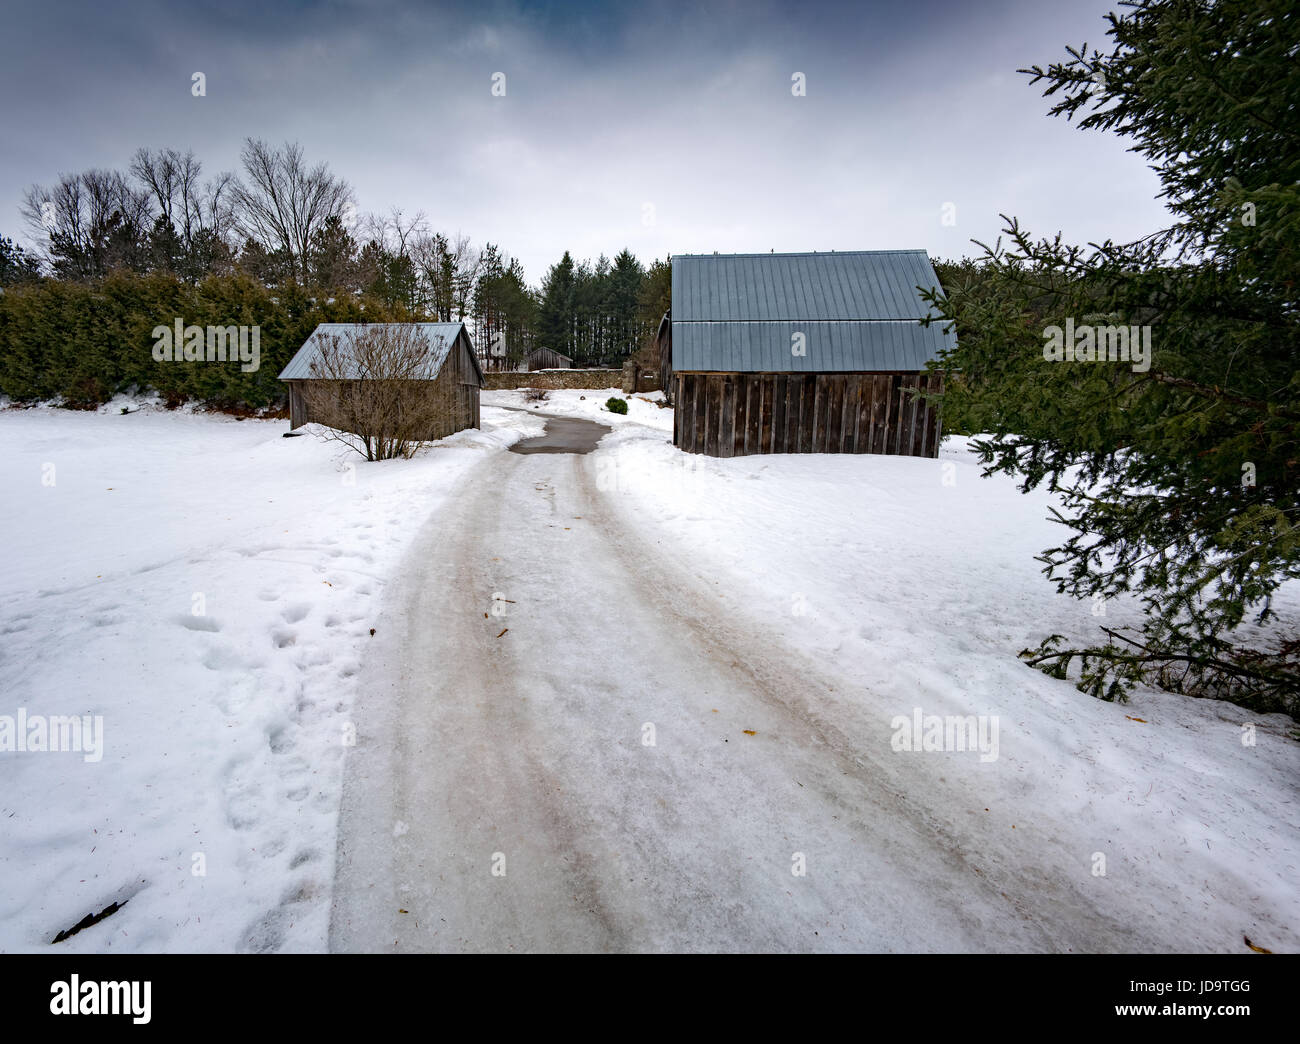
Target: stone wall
[(554, 379), (637, 379)]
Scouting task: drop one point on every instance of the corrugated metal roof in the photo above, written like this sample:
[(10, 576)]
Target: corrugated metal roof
[(858, 311), (441, 337), (829, 347)]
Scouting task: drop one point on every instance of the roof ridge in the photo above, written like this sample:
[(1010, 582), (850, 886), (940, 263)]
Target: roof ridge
[(810, 253), (855, 319), (299, 365)]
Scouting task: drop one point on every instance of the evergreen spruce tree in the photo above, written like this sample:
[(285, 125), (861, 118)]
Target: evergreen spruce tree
[(555, 321), (332, 259), (624, 297), (1179, 474)]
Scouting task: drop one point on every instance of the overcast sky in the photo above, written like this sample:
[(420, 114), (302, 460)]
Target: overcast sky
[(665, 128)]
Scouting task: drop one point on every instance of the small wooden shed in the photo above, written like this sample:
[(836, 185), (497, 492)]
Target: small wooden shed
[(449, 376), (547, 359), (802, 353)]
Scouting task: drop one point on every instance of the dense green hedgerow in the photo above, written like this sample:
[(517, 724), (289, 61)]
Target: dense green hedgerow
[(84, 342)]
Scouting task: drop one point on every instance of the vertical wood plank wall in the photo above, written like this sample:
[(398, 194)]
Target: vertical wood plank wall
[(547, 359), (297, 408), (457, 386), (456, 390), (733, 414)]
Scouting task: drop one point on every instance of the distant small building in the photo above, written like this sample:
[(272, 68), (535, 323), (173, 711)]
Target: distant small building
[(802, 353), (547, 359), (451, 374)]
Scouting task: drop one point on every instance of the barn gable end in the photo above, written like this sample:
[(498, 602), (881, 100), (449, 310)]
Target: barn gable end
[(547, 359)]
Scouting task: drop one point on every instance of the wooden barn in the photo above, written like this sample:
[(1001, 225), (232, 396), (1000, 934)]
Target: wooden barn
[(801, 353), (547, 359), (436, 358)]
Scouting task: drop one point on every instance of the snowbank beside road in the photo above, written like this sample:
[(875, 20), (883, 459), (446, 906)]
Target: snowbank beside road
[(915, 580)]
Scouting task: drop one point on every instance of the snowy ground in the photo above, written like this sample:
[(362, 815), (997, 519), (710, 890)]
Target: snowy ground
[(590, 405), (916, 579), (208, 587)]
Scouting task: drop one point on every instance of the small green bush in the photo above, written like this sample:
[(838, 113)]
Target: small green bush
[(616, 405)]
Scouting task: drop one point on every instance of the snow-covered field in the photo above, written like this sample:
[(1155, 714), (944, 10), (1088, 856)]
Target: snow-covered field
[(208, 587)]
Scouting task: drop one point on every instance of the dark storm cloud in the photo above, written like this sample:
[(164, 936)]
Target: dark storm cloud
[(664, 128)]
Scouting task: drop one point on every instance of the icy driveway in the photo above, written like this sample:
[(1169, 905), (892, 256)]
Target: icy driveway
[(566, 744), (563, 435)]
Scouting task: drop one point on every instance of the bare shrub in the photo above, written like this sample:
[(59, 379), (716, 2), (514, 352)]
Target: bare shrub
[(535, 394), (374, 390)]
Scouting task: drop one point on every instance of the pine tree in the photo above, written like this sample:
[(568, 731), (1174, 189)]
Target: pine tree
[(555, 322), (16, 265), (164, 246), (655, 297), (1179, 473), (489, 322), (624, 294), (270, 268), (332, 259)]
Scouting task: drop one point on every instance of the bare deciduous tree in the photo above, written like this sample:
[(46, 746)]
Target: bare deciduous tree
[(189, 206), (200, 214), (374, 390), (89, 222), (468, 260), (395, 232), (390, 260), (284, 203), (174, 181)]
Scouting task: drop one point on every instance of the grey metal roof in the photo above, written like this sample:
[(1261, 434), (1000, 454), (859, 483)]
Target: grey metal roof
[(858, 311), (441, 337)]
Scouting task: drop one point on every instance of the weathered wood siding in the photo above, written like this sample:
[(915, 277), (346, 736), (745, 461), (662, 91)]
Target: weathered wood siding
[(456, 390), (733, 414), (458, 385), (665, 344), (297, 408), (547, 359)]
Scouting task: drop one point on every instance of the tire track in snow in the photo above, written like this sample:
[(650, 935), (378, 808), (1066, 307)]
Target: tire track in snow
[(421, 826), (911, 800), (529, 744)]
